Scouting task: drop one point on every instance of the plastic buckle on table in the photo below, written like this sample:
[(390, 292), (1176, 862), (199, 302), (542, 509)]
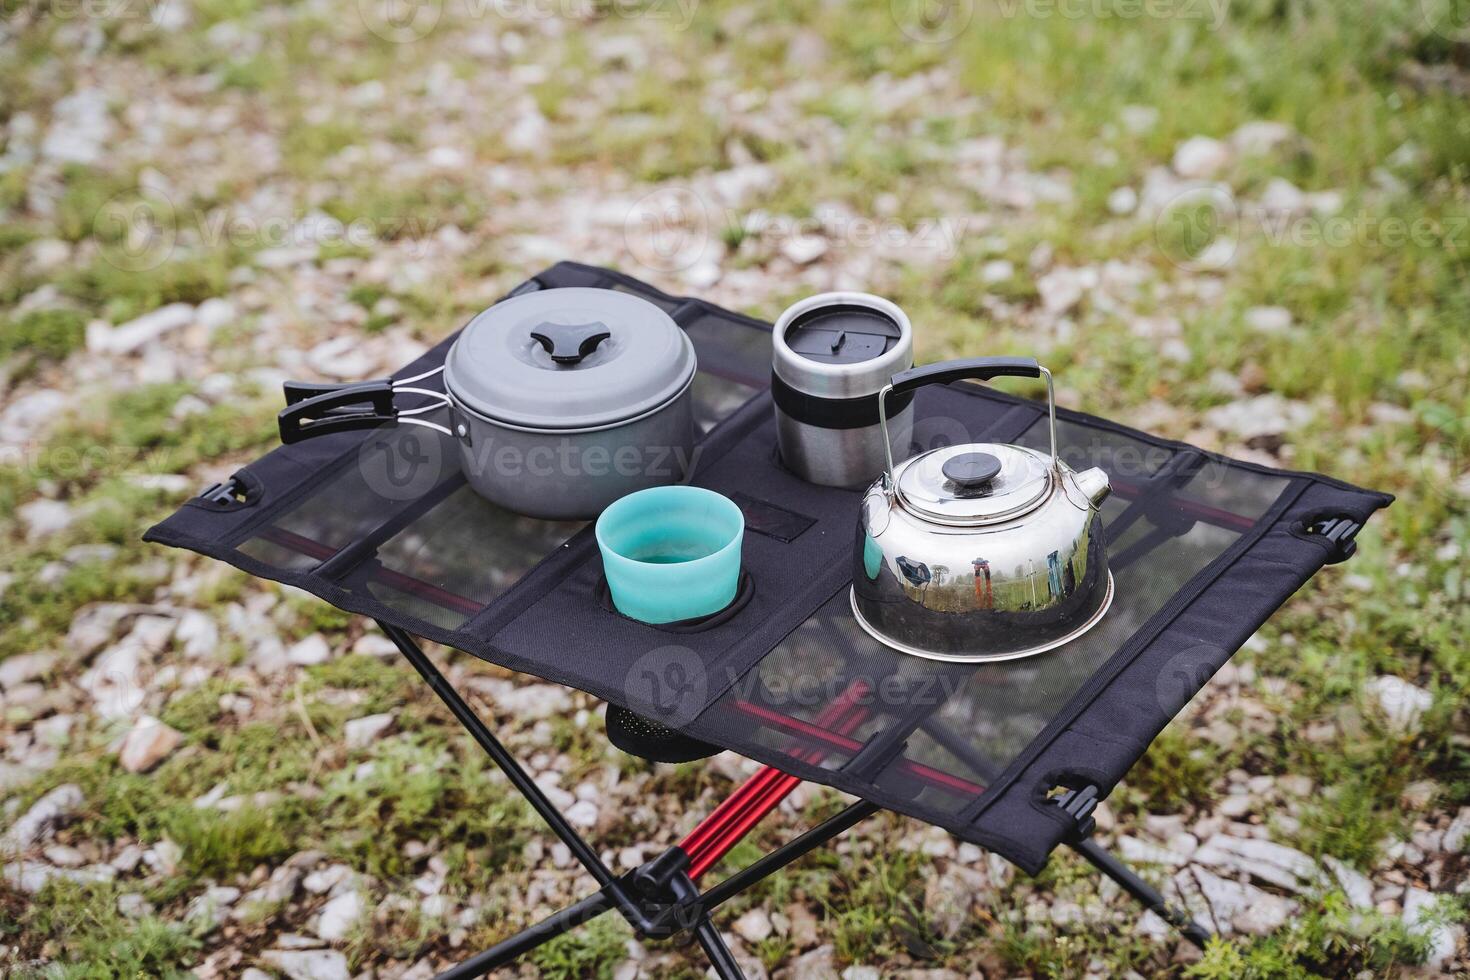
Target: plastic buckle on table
[(230, 493), (1079, 804), (1341, 533)]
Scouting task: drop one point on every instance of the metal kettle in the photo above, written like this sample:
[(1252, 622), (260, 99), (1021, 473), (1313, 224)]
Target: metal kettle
[(983, 551)]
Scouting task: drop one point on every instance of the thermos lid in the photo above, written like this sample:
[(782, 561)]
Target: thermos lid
[(841, 345), (843, 333)]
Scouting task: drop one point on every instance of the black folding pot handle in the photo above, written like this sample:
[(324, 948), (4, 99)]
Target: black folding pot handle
[(316, 408), (300, 391), (337, 408), (965, 369)]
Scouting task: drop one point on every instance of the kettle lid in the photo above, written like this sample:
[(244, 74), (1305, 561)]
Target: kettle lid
[(976, 483)]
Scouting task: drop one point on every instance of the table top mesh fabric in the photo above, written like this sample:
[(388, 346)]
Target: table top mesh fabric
[(1203, 550)]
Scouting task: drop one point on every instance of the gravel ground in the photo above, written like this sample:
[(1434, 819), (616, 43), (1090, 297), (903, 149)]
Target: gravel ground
[(1243, 225)]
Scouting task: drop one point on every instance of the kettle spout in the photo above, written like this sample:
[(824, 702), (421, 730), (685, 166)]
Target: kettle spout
[(1094, 484)]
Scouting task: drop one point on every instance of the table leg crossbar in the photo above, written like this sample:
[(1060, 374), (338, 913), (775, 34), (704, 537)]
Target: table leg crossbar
[(660, 899)]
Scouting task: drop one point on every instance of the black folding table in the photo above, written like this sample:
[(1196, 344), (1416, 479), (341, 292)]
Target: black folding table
[(1011, 756)]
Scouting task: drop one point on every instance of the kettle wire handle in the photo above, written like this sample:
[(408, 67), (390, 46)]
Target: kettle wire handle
[(965, 369)]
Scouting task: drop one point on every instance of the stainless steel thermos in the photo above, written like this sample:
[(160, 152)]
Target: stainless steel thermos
[(832, 354)]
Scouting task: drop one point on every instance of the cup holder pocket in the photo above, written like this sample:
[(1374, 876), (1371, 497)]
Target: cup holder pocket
[(743, 594)]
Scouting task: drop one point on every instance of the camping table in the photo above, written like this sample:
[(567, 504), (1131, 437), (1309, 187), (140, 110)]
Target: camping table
[(1011, 756)]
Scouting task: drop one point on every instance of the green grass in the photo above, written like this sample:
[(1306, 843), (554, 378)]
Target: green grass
[(91, 940), (1379, 320)]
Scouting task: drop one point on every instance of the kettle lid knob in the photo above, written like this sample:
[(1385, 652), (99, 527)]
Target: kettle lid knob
[(971, 470)]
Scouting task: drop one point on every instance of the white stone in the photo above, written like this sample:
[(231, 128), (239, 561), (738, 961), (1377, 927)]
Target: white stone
[(134, 334), (25, 667), (1061, 290), (339, 916), (41, 820), (362, 732), (582, 814), (1357, 888), (64, 856), (32, 876), (1282, 197), (1200, 157), (1444, 938), (1134, 850), (1401, 703), (80, 128), (132, 905), (997, 271), (1263, 416), (43, 518), (702, 274), (214, 313), (308, 964), (115, 681), (324, 880), (754, 926), (342, 357), (374, 645), (447, 158), (1270, 320), (1261, 136), (804, 249), (527, 702), (27, 417), (1123, 200), (197, 634), (147, 744), (163, 858), (314, 649), (816, 964), (212, 905), (1232, 905), (1275, 863), (1458, 832)]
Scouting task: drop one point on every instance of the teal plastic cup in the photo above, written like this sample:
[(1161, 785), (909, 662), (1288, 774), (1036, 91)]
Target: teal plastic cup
[(671, 553)]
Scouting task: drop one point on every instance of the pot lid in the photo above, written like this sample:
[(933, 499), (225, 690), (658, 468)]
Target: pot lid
[(572, 358), (978, 483)]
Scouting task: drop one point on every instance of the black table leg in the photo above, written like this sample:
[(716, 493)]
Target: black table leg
[(1142, 891), (687, 893), (523, 942), (502, 758)]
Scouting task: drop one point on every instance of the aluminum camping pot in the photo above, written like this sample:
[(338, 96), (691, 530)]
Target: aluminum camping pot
[(831, 354), (982, 551), (561, 401), (567, 399)]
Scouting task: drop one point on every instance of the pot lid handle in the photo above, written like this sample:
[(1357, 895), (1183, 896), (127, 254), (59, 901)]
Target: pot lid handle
[(568, 343), (970, 368)]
